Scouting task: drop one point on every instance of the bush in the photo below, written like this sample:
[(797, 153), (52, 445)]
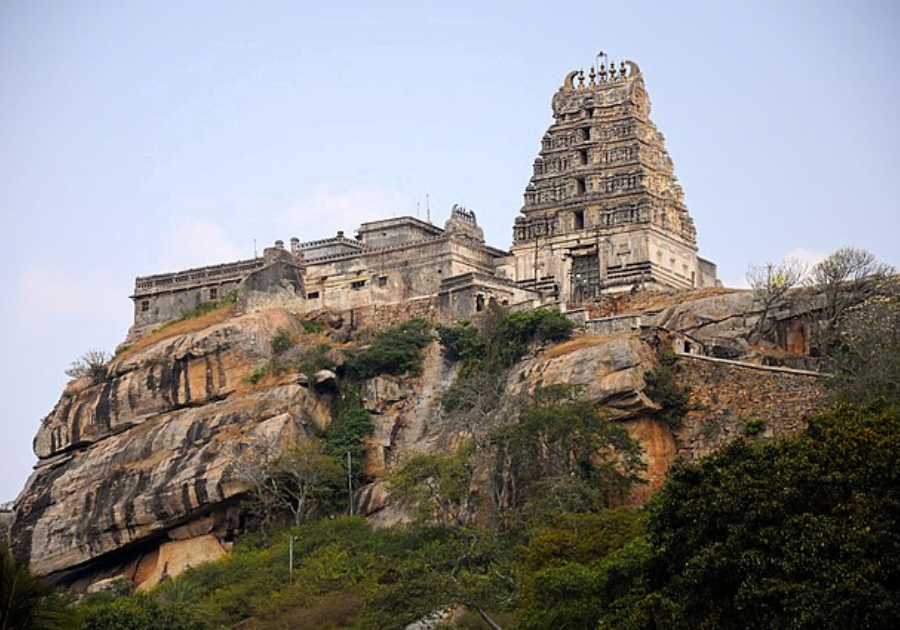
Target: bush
[(315, 358), (509, 341), (92, 363), (461, 342), (282, 341), (347, 433), (138, 613), (313, 326), (274, 367), (663, 389), (397, 350), (754, 426)]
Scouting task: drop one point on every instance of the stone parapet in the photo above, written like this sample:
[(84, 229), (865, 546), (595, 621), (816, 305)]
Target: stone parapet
[(190, 278)]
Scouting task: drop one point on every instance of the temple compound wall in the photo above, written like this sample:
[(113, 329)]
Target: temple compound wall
[(603, 212)]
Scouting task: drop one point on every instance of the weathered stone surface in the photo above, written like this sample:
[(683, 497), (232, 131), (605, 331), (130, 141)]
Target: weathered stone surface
[(119, 585), (610, 371), (659, 453), (179, 555), (722, 323), (177, 372), (137, 472), (151, 449), (726, 398), (139, 483), (325, 380)]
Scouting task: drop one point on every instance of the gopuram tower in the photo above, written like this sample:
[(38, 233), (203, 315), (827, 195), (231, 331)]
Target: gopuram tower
[(603, 210)]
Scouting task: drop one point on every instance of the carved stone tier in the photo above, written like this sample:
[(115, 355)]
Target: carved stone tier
[(603, 178)]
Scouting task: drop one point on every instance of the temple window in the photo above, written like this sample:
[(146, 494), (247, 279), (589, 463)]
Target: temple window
[(579, 186), (578, 220)]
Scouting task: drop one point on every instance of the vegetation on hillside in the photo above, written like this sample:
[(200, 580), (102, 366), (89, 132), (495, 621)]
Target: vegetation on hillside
[(664, 389), (93, 363), (801, 532), (396, 350), (204, 315)]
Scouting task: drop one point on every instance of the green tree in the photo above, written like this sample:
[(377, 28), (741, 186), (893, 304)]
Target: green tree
[(461, 342), (438, 486), (26, 603), (801, 533), (568, 575), (585, 538), (137, 613), (305, 478), (560, 435), (348, 433)]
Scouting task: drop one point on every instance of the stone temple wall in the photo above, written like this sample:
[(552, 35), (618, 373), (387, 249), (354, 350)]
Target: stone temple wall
[(728, 400), (381, 316)]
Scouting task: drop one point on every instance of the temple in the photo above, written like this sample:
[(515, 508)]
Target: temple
[(603, 210), (603, 213)]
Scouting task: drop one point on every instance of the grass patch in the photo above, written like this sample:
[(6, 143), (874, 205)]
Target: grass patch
[(313, 326), (754, 426), (573, 345), (180, 326)]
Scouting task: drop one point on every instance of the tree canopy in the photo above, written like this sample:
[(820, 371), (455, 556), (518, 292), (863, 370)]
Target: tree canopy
[(801, 533)]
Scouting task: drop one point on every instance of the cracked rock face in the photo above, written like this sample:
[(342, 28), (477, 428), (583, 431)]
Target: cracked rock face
[(722, 323), (140, 466), (408, 418), (182, 371), (152, 447)]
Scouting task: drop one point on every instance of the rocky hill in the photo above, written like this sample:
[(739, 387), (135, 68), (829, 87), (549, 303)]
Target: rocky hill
[(136, 469)]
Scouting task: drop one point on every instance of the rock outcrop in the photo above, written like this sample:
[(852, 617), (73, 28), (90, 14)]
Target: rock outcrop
[(149, 449), (136, 473)]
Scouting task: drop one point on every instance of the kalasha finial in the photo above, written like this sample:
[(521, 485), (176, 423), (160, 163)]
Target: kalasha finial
[(612, 70), (581, 78), (622, 70), (593, 76)]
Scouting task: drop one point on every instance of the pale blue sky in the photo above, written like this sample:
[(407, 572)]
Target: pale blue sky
[(144, 137)]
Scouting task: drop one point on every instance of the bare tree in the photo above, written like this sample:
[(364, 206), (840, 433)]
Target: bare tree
[(252, 465), (847, 277), (283, 477), (865, 358), (770, 284)]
